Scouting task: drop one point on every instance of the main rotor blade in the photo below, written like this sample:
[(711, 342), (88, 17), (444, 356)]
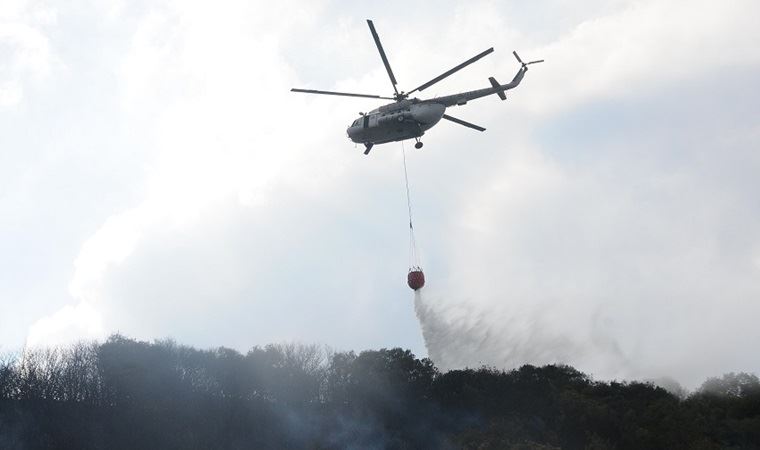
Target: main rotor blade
[(382, 54), (344, 94), (451, 71), (462, 122)]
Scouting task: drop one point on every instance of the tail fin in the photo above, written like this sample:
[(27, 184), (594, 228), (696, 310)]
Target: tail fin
[(496, 84)]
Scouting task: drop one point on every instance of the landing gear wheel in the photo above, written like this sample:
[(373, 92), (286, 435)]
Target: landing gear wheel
[(418, 145)]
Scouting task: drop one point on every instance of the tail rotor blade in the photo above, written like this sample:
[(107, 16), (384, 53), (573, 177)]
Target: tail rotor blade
[(518, 57), (452, 71), (382, 54), (462, 122), (534, 62)]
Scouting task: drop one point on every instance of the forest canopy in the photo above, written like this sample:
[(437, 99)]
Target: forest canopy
[(124, 393)]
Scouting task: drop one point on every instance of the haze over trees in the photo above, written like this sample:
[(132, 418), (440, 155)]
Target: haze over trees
[(129, 394)]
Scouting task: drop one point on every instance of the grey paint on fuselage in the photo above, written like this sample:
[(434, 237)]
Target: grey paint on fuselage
[(396, 121)]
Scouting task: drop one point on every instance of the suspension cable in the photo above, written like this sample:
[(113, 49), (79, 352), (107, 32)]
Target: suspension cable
[(413, 259)]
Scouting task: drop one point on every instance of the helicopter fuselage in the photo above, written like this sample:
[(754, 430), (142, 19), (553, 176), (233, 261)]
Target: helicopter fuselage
[(398, 121)]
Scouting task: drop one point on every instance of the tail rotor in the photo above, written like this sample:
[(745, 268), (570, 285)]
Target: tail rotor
[(526, 64)]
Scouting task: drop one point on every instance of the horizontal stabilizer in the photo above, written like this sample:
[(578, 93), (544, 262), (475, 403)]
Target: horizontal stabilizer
[(496, 84)]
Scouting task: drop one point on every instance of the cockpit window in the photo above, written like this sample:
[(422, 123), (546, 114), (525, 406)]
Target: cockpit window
[(356, 122)]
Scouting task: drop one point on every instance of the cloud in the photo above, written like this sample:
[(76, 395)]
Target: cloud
[(643, 45), (606, 219), (617, 235), (68, 325), (230, 142), (27, 56)]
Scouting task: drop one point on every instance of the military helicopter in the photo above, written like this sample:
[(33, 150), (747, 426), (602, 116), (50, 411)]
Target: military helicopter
[(409, 118)]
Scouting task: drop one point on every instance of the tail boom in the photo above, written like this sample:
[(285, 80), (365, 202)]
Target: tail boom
[(496, 88)]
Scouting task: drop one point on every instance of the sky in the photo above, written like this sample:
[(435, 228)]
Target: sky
[(158, 179)]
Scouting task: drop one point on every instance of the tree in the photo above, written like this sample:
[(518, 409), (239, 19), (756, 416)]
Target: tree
[(736, 385)]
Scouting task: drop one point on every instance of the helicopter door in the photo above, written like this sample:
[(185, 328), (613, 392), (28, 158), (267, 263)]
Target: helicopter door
[(366, 121)]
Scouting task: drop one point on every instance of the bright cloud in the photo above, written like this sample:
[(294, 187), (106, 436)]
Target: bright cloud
[(25, 47), (606, 218)]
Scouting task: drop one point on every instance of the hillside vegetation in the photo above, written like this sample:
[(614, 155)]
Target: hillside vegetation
[(126, 394)]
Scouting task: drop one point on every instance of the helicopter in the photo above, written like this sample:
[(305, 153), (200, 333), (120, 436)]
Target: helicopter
[(409, 118)]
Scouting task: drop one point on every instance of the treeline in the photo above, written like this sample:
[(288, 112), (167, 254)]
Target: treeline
[(126, 394)]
